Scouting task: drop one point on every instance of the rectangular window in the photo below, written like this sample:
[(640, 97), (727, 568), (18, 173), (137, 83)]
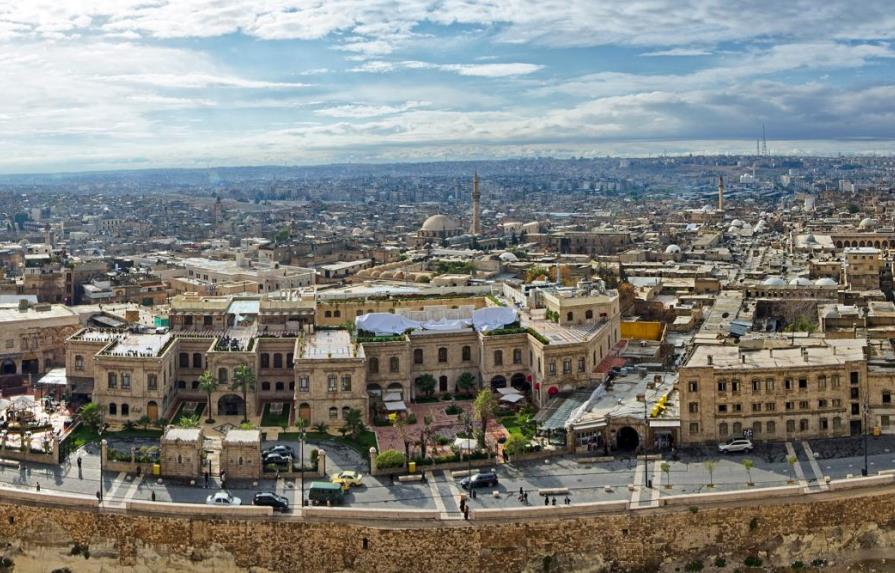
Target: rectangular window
[(692, 386), (567, 366), (822, 404), (756, 386), (821, 383), (787, 384), (331, 382), (790, 405), (834, 382), (803, 404), (303, 384), (346, 383), (756, 407), (151, 382), (884, 421), (693, 407), (722, 408), (855, 409), (855, 393), (790, 425), (803, 384), (837, 403), (694, 427), (126, 381), (824, 425), (737, 407), (735, 386), (770, 406), (770, 428), (769, 385), (887, 397), (854, 378), (551, 367), (581, 365), (722, 386)]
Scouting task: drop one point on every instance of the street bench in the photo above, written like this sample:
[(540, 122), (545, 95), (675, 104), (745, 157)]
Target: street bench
[(554, 491), (411, 477)]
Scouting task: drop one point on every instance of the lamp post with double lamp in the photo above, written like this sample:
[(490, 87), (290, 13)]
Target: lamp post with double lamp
[(646, 482), (301, 455), (102, 446)]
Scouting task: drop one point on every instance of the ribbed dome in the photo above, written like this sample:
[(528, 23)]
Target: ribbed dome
[(672, 250), (440, 223), (800, 281), (867, 223), (826, 281), (773, 281)]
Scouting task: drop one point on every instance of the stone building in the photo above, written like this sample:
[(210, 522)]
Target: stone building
[(862, 268), (181, 452), (792, 392), (32, 338), (330, 377), (241, 454)]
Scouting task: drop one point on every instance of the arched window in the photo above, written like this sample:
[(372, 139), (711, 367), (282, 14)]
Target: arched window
[(277, 360), (394, 364), (498, 357), (194, 385), (280, 386), (112, 380), (222, 375), (265, 386), (328, 314), (265, 360), (722, 429), (181, 385), (570, 316), (373, 365), (737, 429), (125, 410), (589, 314), (345, 411), (418, 356), (333, 413), (337, 314), (197, 360), (179, 458), (79, 362), (517, 356), (467, 354), (803, 425), (184, 360), (346, 382), (442, 354), (113, 409), (290, 360)]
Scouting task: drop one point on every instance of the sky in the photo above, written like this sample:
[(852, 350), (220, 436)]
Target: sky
[(110, 84)]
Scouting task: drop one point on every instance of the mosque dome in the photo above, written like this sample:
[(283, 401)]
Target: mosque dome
[(672, 250), (826, 281), (867, 224), (800, 281), (508, 257), (440, 224), (773, 281)]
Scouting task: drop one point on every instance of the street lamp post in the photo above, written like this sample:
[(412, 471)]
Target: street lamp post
[(302, 467), (102, 444), (645, 440), (866, 408)]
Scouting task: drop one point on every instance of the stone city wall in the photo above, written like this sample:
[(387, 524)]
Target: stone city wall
[(174, 537)]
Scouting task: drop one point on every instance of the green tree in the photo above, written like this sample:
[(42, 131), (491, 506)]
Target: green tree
[(791, 460), (144, 421), (208, 384), (666, 469), (425, 434), (188, 421), (483, 407), (466, 382), (710, 466), (354, 421), (91, 416), (244, 381), (426, 384), (320, 428), (515, 444), (400, 425)]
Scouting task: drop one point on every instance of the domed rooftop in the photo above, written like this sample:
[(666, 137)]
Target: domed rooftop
[(800, 281), (826, 281), (867, 223), (672, 250), (508, 257), (737, 223), (440, 223), (810, 239), (773, 281)]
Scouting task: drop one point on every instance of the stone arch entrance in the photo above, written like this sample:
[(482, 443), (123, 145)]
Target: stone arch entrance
[(498, 382), (152, 411), (231, 405), (519, 382), (8, 367), (304, 412), (627, 439)]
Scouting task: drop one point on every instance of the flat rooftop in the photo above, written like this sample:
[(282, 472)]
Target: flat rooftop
[(325, 344), (50, 312), (620, 400), (145, 345), (832, 353)]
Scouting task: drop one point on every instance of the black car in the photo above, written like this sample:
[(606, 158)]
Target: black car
[(278, 460), (486, 478), (269, 498), (281, 449)]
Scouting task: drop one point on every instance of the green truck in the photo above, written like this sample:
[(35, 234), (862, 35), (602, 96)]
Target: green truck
[(325, 493)]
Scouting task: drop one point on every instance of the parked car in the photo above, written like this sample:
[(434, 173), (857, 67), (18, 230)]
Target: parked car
[(281, 449), (222, 498), (485, 478), (348, 478), (271, 499), (278, 460), (325, 493), (735, 445)]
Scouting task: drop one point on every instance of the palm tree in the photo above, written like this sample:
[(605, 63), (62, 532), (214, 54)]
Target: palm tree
[(401, 426), (466, 382), (208, 384), (354, 422), (244, 380), (484, 409), (710, 466), (425, 434), (666, 469)]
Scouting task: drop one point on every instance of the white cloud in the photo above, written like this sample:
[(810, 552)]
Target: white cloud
[(199, 80), (364, 111), (476, 70), (677, 52)]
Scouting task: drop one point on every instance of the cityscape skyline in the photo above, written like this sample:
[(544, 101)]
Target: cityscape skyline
[(99, 86)]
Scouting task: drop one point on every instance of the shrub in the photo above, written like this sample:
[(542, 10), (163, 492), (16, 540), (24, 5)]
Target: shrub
[(411, 419), (720, 562), (797, 565), (390, 459), (447, 398), (315, 455), (695, 565), (452, 410), (818, 563), (753, 524), (752, 561), (694, 509)]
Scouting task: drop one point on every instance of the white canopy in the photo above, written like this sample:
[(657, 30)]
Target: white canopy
[(385, 323), (466, 445), (392, 397), (492, 318), (483, 320), (507, 390), (395, 406), (512, 398)]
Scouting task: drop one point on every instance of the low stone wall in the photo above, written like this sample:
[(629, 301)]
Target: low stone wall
[(602, 538)]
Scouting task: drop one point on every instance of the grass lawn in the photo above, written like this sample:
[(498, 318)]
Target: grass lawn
[(362, 444), (270, 419), (180, 413), (511, 423), (84, 435)]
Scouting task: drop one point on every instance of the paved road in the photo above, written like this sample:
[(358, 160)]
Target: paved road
[(607, 481)]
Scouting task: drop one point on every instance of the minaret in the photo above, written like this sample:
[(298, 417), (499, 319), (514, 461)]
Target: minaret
[(720, 192), (476, 223)]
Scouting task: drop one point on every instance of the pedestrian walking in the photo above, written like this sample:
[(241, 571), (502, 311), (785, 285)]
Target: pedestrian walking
[(546, 500), (568, 501), (466, 514), (462, 504), (79, 462), (38, 486), (521, 491), (206, 479), (554, 501), (525, 498), (153, 495)]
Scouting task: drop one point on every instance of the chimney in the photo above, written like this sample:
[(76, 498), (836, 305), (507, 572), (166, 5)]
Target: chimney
[(709, 359), (770, 352), (805, 354), (743, 358)]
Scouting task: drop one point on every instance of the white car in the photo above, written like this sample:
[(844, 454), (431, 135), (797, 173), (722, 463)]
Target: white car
[(735, 445), (222, 498)]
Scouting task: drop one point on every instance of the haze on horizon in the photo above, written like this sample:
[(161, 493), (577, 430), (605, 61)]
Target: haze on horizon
[(100, 84)]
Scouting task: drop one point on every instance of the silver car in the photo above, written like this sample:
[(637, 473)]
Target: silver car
[(735, 445), (222, 498)]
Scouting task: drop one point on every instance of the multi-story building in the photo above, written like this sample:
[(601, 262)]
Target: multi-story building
[(793, 392)]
